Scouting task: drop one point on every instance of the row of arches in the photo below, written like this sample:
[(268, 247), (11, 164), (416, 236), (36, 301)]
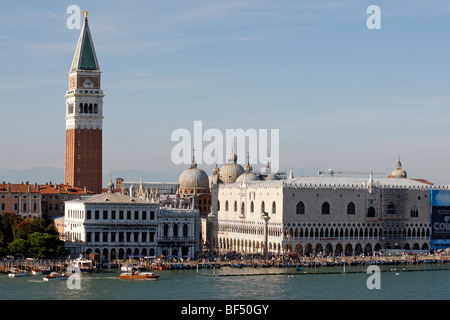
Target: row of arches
[(356, 233), (225, 244), (107, 254)]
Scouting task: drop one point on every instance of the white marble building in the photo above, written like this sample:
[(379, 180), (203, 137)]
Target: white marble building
[(115, 226), (323, 214)]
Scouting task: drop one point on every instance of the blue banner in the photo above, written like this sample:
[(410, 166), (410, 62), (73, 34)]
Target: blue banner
[(440, 219)]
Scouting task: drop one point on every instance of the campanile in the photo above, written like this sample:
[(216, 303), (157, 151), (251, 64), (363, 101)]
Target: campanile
[(84, 117)]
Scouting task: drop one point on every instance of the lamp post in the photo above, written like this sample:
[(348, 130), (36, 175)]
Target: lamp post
[(266, 218)]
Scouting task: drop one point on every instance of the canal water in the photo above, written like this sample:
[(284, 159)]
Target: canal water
[(399, 282)]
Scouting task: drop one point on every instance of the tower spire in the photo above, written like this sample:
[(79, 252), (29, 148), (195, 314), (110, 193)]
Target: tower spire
[(85, 57)]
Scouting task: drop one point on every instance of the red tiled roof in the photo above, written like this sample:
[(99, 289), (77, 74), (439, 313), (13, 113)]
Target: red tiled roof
[(42, 189)]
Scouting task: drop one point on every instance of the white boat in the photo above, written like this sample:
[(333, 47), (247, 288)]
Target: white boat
[(56, 276), (15, 272), (82, 264)]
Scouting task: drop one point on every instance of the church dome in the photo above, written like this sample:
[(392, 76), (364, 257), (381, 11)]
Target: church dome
[(232, 170), (193, 178), (247, 176), (399, 172)]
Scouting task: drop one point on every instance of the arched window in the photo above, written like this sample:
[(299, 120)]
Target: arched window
[(325, 208), (371, 212), (95, 108), (351, 209), (300, 208), (252, 207), (263, 207), (218, 205), (185, 230), (414, 212), (80, 108), (274, 207), (242, 208), (166, 230), (235, 206), (90, 107), (226, 205), (175, 230), (85, 108)]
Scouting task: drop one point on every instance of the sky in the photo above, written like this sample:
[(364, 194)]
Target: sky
[(343, 96)]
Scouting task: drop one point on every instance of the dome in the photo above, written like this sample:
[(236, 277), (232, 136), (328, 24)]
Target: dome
[(272, 176), (232, 170), (247, 176), (193, 178), (214, 178), (399, 172)]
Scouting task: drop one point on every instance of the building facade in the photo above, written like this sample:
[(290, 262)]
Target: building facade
[(84, 117), (116, 226), (323, 215)]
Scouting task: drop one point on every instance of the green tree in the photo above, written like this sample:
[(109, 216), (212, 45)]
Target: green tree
[(44, 245), (18, 246)]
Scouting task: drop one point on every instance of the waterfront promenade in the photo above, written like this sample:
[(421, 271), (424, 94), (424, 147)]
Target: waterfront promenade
[(236, 262)]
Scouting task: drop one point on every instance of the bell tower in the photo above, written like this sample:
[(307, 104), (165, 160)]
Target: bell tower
[(84, 117)]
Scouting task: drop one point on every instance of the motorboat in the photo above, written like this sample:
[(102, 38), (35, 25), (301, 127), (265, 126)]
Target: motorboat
[(39, 271), (136, 275), (56, 276), (82, 264), (15, 272)]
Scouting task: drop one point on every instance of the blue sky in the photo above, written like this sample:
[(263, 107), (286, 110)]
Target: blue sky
[(342, 96)]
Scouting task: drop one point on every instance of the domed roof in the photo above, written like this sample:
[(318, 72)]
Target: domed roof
[(214, 178), (399, 172), (272, 176), (193, 178), (232, 170), (248, 175)]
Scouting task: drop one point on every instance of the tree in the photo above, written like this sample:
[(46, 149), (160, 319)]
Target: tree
[(44, 245), (18, 246)]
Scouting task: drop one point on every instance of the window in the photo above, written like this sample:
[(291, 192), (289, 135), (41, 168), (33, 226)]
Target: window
[(252, 207), (391, 208), (105, 214), (120, 214), (144, 215), (371, 212), (351, 208), (175, 230), (185, 230), (218, 205), (274, 207), (235, 206), (300, 208), (3, 207), (263, 207), (16, 207), (152, 215), (113, 214), (97, 214), (70, 108), (136, 215), (88, 214), (166, 230), (128, 215), (414, 212), (325, 208), (226, 205), (24, 206)]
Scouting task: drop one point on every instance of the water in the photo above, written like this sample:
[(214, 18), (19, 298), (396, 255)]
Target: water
[(398, 282)]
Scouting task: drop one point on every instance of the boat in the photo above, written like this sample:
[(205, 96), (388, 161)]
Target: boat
[(39, 271), (136, 275), (15, 272), (82, 264), (56, 276)]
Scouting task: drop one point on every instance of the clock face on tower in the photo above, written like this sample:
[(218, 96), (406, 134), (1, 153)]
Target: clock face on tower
[(88, 83)]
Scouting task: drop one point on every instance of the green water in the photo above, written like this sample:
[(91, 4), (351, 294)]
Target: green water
[(397, 282)]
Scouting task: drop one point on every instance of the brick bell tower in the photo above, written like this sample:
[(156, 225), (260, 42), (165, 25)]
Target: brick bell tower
[(84, 117)]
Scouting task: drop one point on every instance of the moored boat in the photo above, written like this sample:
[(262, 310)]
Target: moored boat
[(82, 264), (15, 272), (56, 276)]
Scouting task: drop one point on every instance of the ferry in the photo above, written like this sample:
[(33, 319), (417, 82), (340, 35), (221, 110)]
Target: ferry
[(56, 276), (15, 272), (136, 275)]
